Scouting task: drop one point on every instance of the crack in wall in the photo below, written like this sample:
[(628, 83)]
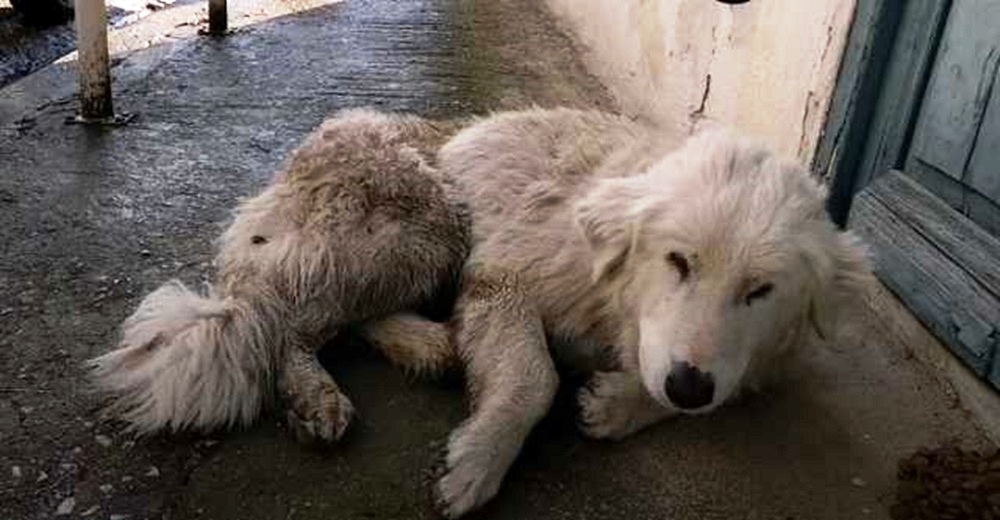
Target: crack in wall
[(699, 113)]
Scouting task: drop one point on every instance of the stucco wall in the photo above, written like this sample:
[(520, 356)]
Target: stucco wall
[(767, 67)]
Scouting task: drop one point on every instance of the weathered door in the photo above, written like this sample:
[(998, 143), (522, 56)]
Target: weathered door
[(927, 174), (955, 151)]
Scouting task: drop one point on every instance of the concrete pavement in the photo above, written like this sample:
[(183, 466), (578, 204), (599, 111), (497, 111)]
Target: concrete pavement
[(93, 218)]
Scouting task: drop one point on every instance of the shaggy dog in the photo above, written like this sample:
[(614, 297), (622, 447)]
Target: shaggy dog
[(699, 264)]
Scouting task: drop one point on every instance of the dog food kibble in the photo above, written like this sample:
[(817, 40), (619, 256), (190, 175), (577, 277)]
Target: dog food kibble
[(948, 483)]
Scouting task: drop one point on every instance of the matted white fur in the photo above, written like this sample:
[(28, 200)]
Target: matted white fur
[(188, 362)]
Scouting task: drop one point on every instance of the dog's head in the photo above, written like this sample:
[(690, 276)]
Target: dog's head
[(724, 257)]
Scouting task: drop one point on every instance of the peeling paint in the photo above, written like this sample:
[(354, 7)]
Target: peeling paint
[(773, 65)]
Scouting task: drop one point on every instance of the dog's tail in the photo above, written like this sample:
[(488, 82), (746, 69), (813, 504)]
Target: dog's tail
[(188, 361), (414, 343)]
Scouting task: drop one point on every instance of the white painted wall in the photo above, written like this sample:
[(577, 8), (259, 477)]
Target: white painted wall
[(772, 64)]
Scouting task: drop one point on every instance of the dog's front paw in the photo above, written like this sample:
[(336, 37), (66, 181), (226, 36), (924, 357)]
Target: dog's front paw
[(608, 405), (474, 467), (322, 414)]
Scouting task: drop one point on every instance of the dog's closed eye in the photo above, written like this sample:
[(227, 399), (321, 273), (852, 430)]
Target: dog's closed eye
[(680, 263), (760, 292)]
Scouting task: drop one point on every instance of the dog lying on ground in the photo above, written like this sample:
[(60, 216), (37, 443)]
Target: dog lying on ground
[(700, 264)]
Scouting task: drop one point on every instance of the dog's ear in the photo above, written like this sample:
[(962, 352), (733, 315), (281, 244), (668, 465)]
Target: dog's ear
[(607, 217), (843, 280)]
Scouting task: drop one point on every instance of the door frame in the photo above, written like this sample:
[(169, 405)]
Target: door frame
[(883, 74)]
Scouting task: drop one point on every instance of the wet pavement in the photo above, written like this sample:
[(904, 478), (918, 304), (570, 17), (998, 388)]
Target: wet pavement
[(93, 218)]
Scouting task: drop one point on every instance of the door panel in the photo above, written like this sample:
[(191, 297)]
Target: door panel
[(959, 88), (984, 168), (955, 151)]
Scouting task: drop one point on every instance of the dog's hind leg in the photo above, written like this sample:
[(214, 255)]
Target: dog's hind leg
[(316, 409), (414, 343), (512, 382)]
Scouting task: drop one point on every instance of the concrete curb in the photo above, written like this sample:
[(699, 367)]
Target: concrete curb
[(971, 392)]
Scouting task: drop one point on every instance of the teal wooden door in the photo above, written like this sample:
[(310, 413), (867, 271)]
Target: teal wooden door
[(955, 151), (923, 184)]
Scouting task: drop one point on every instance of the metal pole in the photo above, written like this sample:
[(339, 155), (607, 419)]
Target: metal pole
[(92, 62), (217, 23)]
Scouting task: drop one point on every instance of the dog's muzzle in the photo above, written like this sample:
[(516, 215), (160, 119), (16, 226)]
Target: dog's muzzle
[(688, 387)]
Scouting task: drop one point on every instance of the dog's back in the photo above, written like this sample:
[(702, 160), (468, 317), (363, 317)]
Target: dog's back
[(358, 225)]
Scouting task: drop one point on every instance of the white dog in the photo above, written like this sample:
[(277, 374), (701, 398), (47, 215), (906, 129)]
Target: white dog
[(699, 264)]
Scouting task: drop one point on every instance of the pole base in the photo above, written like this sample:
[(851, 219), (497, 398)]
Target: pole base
[(115, 120), (207, 31)]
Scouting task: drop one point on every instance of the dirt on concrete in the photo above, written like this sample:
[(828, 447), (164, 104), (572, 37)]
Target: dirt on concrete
[(93, 218), (948, 483)]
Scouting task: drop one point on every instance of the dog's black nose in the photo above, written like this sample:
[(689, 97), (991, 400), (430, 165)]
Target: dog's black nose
[(689, 388)]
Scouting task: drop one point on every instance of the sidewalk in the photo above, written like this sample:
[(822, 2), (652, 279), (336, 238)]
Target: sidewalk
[(91, 219)]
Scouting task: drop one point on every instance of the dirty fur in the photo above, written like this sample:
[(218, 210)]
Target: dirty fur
[(357, 226), (704, 255)]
